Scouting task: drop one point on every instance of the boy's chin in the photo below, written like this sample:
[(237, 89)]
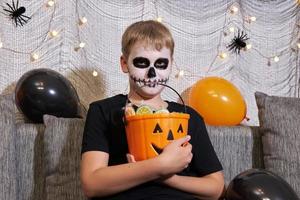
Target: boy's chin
[(149, 92)]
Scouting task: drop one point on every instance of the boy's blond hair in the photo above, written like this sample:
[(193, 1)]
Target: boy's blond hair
[(151, 32)]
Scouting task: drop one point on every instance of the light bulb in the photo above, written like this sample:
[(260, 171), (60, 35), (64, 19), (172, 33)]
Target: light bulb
[(231, 29), (53, 33), (50, 3), (95, 73), (276, 59), (253, 19), (298, 45), (248, 46), (181, 73), (234, 9), (159, 19), (1, 45), (82, 20), (34, 56), (81, 44), (223, 55)]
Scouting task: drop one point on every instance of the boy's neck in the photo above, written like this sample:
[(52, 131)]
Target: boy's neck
[(156, 101)]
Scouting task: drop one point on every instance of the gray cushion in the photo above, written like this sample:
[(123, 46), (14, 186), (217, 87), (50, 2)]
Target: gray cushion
[(20, 117), (8, 187), (30, 167), (62, 140), (257, 151), (279, 119), (233, 145)]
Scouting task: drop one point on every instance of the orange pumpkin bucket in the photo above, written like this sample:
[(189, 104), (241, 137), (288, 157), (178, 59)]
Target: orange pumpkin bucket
[(148, 134)]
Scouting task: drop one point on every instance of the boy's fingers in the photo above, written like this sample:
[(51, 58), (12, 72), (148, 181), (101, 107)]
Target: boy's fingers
[(185, 144), (182, 141), (130, 158)]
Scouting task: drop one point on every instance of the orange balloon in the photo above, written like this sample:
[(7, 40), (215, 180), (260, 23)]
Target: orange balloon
[(218, 101)]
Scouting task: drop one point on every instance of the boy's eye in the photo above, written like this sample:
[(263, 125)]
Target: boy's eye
[(141, 62), (161, 63)]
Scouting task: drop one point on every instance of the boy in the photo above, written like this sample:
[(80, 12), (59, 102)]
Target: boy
[(189, 171)]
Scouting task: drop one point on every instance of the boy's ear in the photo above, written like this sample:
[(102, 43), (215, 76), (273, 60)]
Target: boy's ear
[(124, 65)]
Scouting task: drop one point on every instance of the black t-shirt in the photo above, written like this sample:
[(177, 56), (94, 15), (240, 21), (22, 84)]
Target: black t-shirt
[(105, 131)]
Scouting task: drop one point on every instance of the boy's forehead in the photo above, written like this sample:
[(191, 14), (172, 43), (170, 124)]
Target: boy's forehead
[(140, 49)]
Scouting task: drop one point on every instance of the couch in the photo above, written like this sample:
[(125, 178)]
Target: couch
[(41, 161)]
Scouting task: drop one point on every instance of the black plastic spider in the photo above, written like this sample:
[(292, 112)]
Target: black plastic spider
[(238, 42), (16, 13)]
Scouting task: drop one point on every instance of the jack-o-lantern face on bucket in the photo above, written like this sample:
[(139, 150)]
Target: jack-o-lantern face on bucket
[(169, 134), (147, 135)]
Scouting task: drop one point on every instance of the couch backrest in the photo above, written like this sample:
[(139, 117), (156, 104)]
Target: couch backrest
[(238, 148)]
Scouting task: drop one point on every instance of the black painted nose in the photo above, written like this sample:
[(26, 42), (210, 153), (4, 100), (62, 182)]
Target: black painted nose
[(151, 73)]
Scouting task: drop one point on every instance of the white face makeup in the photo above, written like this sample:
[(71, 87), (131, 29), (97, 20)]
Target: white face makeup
[(148, 68)]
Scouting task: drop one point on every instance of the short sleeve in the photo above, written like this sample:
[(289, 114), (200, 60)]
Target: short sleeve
[(94, 137), (205, 160)]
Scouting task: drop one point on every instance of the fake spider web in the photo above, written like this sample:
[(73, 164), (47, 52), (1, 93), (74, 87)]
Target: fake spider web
[(197, 28)]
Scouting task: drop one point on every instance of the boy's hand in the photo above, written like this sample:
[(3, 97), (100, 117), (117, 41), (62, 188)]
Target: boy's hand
[(176, 156)]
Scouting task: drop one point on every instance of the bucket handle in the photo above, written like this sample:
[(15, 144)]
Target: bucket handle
[(176, 93), (165, 85)]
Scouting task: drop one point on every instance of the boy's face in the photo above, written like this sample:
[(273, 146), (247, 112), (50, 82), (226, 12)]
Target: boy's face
[(148, 68)]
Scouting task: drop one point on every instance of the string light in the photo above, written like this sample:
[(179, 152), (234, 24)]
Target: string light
[(234, 9), (34, 57), (230, 29), (95, 73), (82, 20), (50, 3)]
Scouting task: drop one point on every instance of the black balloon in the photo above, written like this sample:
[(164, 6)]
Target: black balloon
[(259, 184), (44, 91)]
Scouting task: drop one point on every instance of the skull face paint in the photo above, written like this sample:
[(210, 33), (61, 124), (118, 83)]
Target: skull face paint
[(141, 62), (148, 68), (160, 63)]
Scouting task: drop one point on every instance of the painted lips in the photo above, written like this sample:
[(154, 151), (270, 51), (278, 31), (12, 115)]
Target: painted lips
[(149, 83)]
